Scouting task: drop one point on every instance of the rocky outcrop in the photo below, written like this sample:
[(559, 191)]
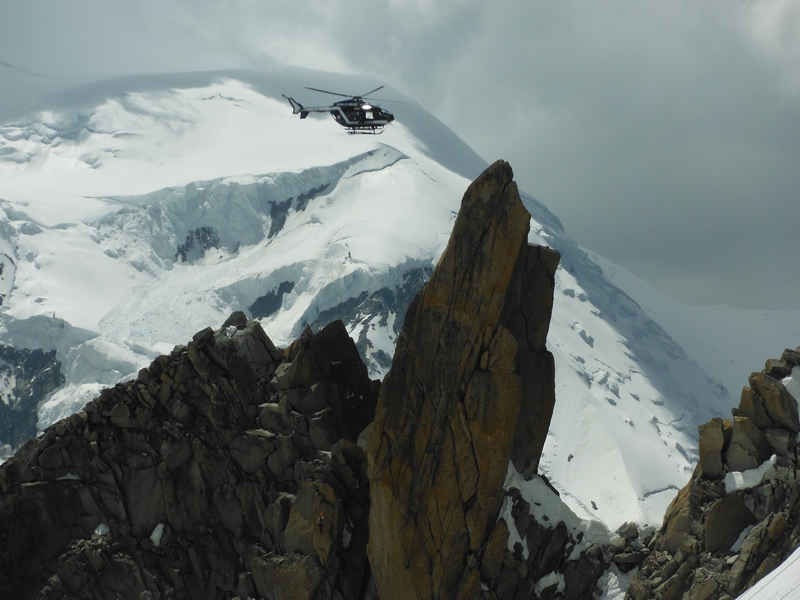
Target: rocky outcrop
[(228, 468), (471, 387), (739, 516), (555, 561)]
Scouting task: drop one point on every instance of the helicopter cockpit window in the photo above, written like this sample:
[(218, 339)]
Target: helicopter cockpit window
[(368, 115)]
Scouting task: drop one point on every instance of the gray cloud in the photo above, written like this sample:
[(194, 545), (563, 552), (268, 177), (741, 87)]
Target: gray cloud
[(666, 136)]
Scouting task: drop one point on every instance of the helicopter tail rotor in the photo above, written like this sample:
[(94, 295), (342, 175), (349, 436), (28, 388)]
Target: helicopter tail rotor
[(297, 107)]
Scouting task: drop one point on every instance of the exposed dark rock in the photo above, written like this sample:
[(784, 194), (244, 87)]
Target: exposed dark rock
[(27, 376), (628, 531), (197, 242), (781, 441), (748, 447), (199, 479), (361, 312), (726, 519), (777, 368), (279, 211), (270, 303), (791, 357), (780, 406), (712, 441), (752, 406)]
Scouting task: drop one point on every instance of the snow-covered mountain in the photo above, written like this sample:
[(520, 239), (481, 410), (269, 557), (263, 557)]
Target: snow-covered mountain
[(136, 212)]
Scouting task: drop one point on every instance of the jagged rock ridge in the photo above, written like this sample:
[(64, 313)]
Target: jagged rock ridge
[(226, 468), (739, 516)]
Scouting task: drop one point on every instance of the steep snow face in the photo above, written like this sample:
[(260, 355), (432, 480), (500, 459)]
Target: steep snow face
[(623, 438), (137, 212), (714, 336)]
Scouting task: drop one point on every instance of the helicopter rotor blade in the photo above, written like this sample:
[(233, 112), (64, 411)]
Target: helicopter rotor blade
[(371, 91), (327, 92), (382, 101)]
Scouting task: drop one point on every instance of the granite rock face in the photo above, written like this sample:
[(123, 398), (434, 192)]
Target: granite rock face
[(471, 387), (228, 468), (728, 528)]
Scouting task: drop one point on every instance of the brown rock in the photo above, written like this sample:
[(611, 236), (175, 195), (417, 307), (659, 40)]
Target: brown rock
[(277, 514), (777, 527), (712, 440), (293, 577), (781, 441), (445, 423), (678, 520), (629, 530), (752, 406), (780, 406), (726, 520), (778, 368), (703, 590), (315, 522), (470, 586), (764, 423), (671, 589), (791, 357), (629, 558), (495, 552), (528, 320), (749, 447)]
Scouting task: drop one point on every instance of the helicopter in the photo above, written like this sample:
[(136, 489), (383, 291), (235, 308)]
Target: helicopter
[(354, 114)]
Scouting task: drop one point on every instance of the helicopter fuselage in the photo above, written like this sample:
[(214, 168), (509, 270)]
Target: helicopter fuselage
[(355, 114), (360, 116)]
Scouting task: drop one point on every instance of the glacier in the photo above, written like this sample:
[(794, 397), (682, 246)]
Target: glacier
[(135, 212)]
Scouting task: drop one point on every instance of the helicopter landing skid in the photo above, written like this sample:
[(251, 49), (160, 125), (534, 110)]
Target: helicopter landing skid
[(370, 131)]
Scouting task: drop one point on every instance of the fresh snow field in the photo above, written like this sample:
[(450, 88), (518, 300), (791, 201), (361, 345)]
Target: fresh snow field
[(102, 187)]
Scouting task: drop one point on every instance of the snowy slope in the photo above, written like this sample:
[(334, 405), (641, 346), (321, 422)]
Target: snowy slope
[(727, 341), (623, 438), (95, 239), (136, 212)]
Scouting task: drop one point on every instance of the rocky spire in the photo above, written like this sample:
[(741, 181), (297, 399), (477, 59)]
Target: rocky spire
[(471, 386)]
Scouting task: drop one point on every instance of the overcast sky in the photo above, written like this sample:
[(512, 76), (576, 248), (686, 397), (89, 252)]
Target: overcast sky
[(665, 135)]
